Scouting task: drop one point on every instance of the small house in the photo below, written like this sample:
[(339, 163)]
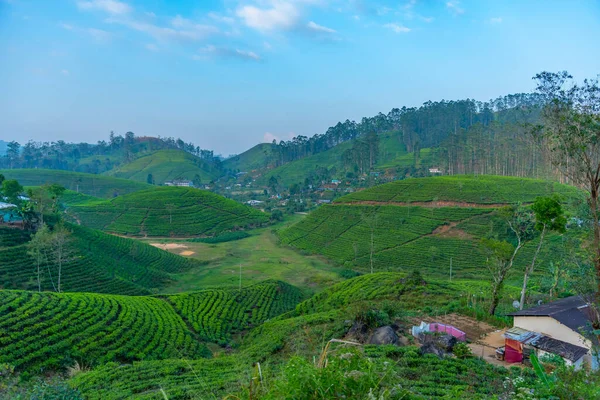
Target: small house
[(9, 214), (180, 183), (253, 202), (435, 171), (560, 328)]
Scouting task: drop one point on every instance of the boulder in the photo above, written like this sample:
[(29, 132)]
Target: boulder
[(431, 348), (358, 332), (443, 341), (384, 335)]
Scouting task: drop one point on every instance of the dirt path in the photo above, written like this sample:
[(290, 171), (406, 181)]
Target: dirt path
[(426, 204)]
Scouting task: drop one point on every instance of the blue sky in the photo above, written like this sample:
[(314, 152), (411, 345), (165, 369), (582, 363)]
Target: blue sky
[(227, 74)]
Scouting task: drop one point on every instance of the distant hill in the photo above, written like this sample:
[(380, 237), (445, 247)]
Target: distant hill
[(101, 263), (90, 184), (258, 157), (167, 211), (165, 165), (421, 223), (392, 154)]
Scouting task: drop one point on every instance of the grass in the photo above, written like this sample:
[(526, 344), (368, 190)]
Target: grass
[(165, 165), (261, 257), (89, 184), (168, 211)]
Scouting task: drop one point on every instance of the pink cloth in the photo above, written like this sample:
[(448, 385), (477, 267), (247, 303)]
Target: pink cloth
[(449, 329)]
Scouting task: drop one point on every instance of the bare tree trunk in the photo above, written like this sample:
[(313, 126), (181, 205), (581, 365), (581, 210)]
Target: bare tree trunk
[(371, 260), (529, 270)]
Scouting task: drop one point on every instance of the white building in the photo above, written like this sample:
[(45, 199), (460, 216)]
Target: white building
[(180, 183), (564, 329)]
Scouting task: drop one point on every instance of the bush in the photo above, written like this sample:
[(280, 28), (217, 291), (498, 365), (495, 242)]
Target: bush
[(461, 350)]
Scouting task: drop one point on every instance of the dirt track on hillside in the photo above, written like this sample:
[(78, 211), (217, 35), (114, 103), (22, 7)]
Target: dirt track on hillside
[(427, 204)]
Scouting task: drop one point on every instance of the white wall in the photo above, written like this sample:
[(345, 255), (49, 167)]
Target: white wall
[(552, 328)]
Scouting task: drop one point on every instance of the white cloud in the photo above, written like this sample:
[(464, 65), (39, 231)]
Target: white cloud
[(454, 7), (226, 52), (279, 15), (220, 18), (110, 6), (427, 19), (496, 20), (319, 28), (397, 28), (268, 137), (65, 72), (183, 29), (151, 47), (99, 34)]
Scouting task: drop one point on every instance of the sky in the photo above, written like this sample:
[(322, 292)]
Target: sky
[(228, 74)]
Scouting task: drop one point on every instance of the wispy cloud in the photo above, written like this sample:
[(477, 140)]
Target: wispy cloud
[(220, 18), (496, 20), (151, 47), (110, 6), (211, 51), (397, 28), (454, 7), (98, 35), (181, 29), (319, 28), (65, 72)]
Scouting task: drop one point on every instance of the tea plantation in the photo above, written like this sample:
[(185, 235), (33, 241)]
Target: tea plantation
[(168, 212), (99, 263), (303, 332), (428, 236), (217, 314), (478, 189), (90, 184), (165, 165), (50, 331)]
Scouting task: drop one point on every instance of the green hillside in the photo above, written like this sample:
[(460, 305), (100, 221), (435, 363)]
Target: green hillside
[(424, 224), (90, 184), (217, 314), (100, 263), (49, 331), (165, 165), (303, 333), (479, 189), (259, 156), (168, 211), (392, 154)]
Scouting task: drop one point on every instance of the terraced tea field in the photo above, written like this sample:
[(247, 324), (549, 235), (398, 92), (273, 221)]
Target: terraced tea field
[(100, 263), (423, 224), (93, 185), (49, 331), (167, 212)]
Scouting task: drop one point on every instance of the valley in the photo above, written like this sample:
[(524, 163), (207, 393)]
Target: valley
[(392, 258)]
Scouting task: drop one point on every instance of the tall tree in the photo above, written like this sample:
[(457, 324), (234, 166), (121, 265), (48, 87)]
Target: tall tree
[(61, 249), (37, 248), (549, 216), (500, 256), (571, 133)]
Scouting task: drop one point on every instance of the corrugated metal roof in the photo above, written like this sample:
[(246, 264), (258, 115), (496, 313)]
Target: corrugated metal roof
[(6, 205), (566, 350)]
